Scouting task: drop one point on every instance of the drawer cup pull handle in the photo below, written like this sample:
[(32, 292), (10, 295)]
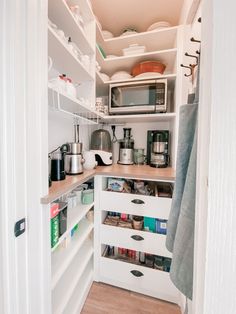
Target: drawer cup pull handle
[(137, 273), (137, 237), (137, 201)]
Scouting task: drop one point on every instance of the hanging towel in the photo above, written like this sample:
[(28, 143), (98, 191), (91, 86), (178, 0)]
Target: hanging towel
[(180, 227)]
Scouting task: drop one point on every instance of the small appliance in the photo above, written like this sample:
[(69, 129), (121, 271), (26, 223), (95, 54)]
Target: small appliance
[(73, 156), (57, 166), (149, 96), (101, 146), (126, 151), (158, 148)]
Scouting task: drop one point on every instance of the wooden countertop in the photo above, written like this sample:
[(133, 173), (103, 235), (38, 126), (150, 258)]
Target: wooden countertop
[(59, 188)]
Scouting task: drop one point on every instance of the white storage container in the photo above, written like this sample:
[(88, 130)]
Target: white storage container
[(134, 49)]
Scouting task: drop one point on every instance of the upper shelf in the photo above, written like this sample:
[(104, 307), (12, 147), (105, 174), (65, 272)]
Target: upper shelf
[(59, 52), (133, 118), (60, 14), (68, 104), (152, 40), (103, 86), (125, 63)]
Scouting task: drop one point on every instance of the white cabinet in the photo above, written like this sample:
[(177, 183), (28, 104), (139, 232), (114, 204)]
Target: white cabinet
[(125, 272)]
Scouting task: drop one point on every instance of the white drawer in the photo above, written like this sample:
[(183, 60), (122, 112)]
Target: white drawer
[(142, 205), (152, 282), (152, 243)]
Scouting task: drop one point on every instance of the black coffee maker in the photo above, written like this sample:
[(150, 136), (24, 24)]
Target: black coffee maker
[(158, 148)]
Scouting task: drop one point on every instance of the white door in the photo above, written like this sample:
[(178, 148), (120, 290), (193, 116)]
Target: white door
[(23, 127)]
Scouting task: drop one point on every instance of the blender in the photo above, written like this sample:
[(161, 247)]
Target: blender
[(126, 150)]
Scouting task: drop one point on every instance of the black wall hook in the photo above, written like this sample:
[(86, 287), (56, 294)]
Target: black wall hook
[(195, 40), (199, 20), (192, 56), (188, 67)]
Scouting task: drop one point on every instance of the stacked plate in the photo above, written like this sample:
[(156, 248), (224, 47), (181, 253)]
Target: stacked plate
[(158, 25)]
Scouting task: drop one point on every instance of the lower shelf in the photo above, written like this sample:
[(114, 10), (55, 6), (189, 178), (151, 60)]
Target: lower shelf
[(81, 291), (66, 286), (152, 282)]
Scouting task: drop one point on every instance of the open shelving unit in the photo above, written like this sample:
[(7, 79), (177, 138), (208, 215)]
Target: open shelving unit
[(61, 15), (152, 40), (125, 63), (59, 52), (75, 215), (62, 257)]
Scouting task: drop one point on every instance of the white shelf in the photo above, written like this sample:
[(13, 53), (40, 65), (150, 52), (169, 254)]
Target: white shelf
[(64, 60), (60, 14), (77, 300), (126, 63), (102, 87), (71, 105), (66, 287), (139, 118), (74, 216), (81, 291), (152, 40), (62, 257)]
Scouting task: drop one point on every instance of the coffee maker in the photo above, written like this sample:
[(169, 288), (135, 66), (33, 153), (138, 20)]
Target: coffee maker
[(158, 148), (126, 150)]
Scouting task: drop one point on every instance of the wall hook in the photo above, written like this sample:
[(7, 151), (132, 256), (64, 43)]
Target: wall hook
[(195, 40), (188, 67), (198, 52), (192, 56), (199, 20)]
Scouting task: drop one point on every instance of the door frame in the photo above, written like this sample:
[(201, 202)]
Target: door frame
[(23, 142)]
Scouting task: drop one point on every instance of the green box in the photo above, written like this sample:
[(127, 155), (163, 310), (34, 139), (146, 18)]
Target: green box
[(149, 224), (54, 230)]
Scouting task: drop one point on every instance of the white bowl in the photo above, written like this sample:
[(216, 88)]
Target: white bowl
[(121, 75), (158, 25), (128, 33), (107, 34), (105, 77)]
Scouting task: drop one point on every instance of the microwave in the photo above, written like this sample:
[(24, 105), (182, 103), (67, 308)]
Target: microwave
[(149, 96)]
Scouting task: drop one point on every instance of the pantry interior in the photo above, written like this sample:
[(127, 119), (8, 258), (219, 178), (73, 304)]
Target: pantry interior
[(55, 127)]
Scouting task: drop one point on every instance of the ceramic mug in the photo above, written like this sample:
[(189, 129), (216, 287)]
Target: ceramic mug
[(87, 196)]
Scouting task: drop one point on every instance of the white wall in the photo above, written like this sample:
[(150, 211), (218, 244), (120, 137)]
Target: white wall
[(61, 130)]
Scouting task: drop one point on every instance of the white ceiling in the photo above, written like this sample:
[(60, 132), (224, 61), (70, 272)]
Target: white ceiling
[(116, 15)]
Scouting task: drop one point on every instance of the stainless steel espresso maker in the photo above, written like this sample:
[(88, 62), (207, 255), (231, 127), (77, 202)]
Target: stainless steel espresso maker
[(73, 155), (158, 148), (126, 150)]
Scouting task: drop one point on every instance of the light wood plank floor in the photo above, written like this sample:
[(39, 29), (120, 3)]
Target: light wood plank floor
[(106, 299)]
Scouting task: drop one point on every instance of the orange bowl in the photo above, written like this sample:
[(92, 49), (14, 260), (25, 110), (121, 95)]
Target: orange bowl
[(148, 66)]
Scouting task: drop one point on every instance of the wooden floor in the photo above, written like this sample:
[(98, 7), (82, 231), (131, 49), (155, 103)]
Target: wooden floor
[(106, 299)]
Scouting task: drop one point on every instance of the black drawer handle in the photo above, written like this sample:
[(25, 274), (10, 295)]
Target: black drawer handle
[(137, 237), (137, 201), (137, 273)]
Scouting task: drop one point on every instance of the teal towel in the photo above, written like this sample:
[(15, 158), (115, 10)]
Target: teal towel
[(180, 227)]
